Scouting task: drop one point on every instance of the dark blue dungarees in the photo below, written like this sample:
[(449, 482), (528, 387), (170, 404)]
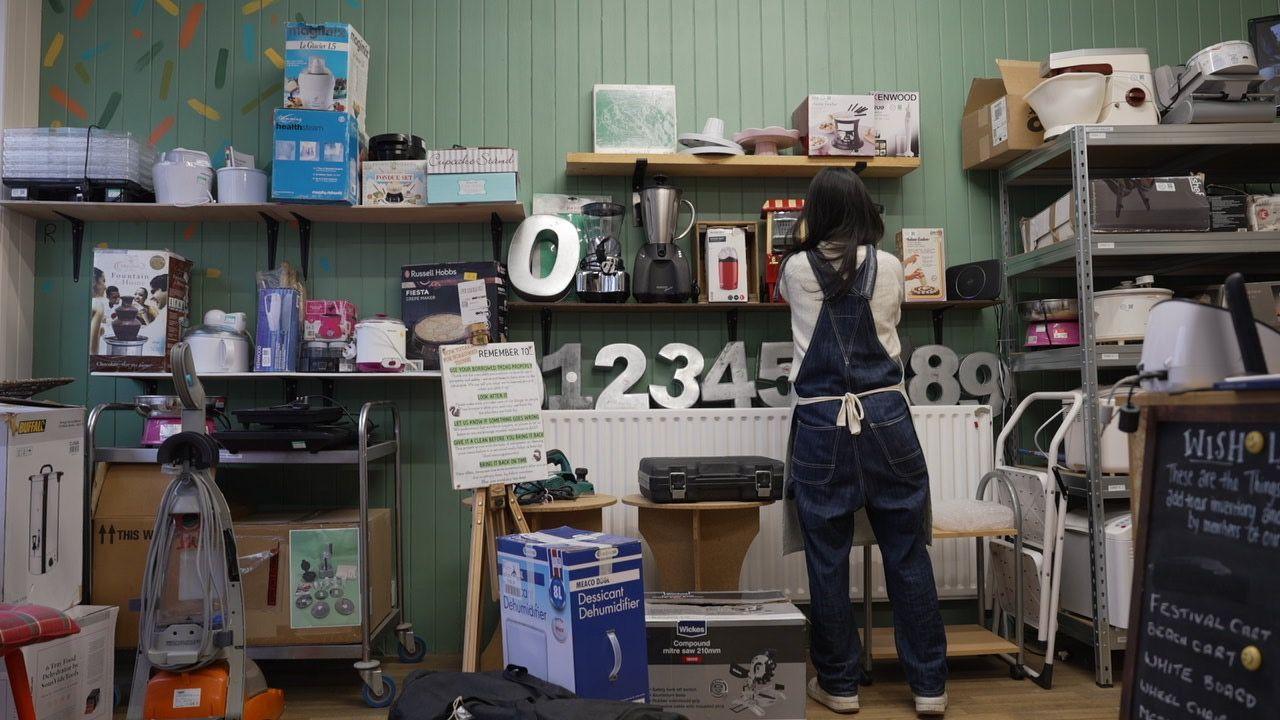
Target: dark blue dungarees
[(853, 444)]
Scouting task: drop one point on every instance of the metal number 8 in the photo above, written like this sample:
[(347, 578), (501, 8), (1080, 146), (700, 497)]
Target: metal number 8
[(934, 366)]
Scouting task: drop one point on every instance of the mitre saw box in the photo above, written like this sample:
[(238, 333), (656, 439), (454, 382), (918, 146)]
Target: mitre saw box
[(723, 655)]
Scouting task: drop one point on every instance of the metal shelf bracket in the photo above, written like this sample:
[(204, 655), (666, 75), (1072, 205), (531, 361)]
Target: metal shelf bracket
[(859, 166), (731, 324), (937, 317), (273, 238), (304, 242), (77, 244), (495, 235), (545, 321)]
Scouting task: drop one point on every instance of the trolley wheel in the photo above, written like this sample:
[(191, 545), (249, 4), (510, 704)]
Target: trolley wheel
[(419, 650), (383, 700), (1017, 672)]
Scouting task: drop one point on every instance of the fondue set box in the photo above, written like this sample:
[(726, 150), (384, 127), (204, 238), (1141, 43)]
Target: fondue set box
[(882, 123)]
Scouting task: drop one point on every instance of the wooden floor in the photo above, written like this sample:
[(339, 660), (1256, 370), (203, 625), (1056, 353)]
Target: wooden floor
[(980, 689)]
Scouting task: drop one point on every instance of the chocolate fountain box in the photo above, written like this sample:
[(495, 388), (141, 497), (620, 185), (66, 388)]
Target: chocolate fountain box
[(451, 304), (138, 305)]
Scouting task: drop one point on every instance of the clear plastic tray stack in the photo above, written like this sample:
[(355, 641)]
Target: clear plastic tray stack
[(58, 155)]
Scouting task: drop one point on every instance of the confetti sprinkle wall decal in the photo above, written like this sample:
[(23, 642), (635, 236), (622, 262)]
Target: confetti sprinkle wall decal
[(82, 9), (56, 6), (93, 52), (189, 231), (189, 25), (203, 109), (266, 94), (255, 5), (354, 3), (298, 17), (220, 75), (83, 73), (55, 49), (56, 124), (109, 111), (137, 33), (61, 97), (148, 56), (137, 8), (166, 79), (274, 57), (212, 272), (160, 130), (250, 41), (168, 6)]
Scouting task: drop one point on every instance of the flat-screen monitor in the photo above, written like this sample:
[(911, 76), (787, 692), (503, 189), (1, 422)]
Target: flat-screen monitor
[(1264, 33)]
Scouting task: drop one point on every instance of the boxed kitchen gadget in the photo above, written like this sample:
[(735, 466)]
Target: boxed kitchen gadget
[(42, 509), (473, 160), (897, 123), (1228, 213), (836, 124), (1077, 585), (316, 157), (484, 187), (279, 330), (1054, 224), (998, 124), (394, 182), (326, 67), (924, 264), (633, 118), (1264, 213), (781, 233), (137, 309), (1264, 300), (726, 252), (452, 304), (1149, 204), (328, 320), (573, 611), (73, 676), (727, 655)]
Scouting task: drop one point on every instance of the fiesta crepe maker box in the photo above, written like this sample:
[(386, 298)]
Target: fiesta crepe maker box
[(452, 304)]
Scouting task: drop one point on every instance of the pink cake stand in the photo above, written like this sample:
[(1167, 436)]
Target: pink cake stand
[(767, 141)]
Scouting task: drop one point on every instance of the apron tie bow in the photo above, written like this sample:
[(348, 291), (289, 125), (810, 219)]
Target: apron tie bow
[(851, 413)]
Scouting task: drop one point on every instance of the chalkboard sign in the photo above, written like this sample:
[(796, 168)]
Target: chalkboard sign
[(1205, 617)]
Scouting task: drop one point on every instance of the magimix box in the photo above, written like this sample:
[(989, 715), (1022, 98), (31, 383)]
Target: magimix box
[(316, 157), (326, 67), (722, 655), (573, 611)]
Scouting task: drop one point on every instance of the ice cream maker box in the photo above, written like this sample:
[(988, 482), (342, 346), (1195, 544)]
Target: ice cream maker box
[(326, 67), (723, 655), (573, 611)]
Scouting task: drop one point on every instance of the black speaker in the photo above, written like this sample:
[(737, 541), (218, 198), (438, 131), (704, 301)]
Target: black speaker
[(974, 281)]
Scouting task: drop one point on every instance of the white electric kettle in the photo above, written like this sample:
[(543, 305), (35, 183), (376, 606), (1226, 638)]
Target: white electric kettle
[(183, 177)]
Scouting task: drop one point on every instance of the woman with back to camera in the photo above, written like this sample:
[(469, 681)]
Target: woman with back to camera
[(853, 444)]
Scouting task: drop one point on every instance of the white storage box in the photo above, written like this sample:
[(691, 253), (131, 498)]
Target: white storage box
[(74, 676), (42, 467), (1054, 224), (1077, 590), (1113, 447)]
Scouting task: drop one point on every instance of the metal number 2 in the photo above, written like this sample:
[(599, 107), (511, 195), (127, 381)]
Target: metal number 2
[(615, 395)]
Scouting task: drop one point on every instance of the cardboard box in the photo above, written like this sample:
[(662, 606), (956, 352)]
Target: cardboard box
[(924, 265), (273, 547), (1155, 204), (1264, 300), (998, 124), (473, 160), (452, 303), (727, 655), (1264, 213), (472, 188), (633, 118), (328, 320), (279, 330), (1054, 224), (394, 182), (742, 241), (316, 157), (1228, 213), (326, 67), (42, 509), (71, 677), (573, 611), (836, 124), (138, 308), (897, 123)]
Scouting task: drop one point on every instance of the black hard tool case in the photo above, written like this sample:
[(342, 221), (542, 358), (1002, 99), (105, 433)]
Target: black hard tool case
[(707, 479)]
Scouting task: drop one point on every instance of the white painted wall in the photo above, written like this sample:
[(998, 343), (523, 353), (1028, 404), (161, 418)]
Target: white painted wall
[(19, 107)]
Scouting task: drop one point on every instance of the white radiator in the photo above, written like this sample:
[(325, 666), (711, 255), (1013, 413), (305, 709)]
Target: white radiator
[(957, 443)]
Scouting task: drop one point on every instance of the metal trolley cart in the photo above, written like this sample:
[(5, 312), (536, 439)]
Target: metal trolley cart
[(377, 689)]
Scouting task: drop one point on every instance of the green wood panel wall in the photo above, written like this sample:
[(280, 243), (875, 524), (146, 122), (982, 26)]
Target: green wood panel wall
[(520, 72)]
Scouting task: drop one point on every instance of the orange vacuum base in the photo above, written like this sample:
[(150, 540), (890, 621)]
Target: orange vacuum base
[(203, 694)]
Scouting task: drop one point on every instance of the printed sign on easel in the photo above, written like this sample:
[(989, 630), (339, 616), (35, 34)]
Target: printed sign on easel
[(493, 414)]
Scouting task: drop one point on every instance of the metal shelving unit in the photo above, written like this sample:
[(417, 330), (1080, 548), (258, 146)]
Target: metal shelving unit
[(365, 452), (1226, 153)]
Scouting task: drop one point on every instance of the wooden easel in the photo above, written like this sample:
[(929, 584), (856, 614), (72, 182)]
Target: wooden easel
[(494, 513)]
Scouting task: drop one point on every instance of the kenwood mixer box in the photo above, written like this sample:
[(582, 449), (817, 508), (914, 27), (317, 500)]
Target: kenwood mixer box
[(726, 655), (706, 479)]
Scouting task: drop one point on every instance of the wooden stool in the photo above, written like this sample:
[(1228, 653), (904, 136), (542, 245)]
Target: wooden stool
[(698, 546), (584, 513)]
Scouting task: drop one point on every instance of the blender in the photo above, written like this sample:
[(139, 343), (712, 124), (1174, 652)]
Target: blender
[(602, 277), (661, 272)]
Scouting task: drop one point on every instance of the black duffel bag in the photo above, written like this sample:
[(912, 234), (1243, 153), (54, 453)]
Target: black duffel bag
[(511, 694)]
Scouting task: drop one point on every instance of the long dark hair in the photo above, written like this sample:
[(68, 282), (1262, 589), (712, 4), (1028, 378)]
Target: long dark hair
[(838, 207)]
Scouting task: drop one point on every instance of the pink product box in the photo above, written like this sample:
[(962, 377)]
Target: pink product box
[(328, 320)]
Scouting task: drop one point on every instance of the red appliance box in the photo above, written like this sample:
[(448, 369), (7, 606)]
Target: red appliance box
[(328, 320)]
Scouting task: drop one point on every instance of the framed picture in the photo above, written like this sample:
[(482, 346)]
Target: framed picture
[(634, 118)]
